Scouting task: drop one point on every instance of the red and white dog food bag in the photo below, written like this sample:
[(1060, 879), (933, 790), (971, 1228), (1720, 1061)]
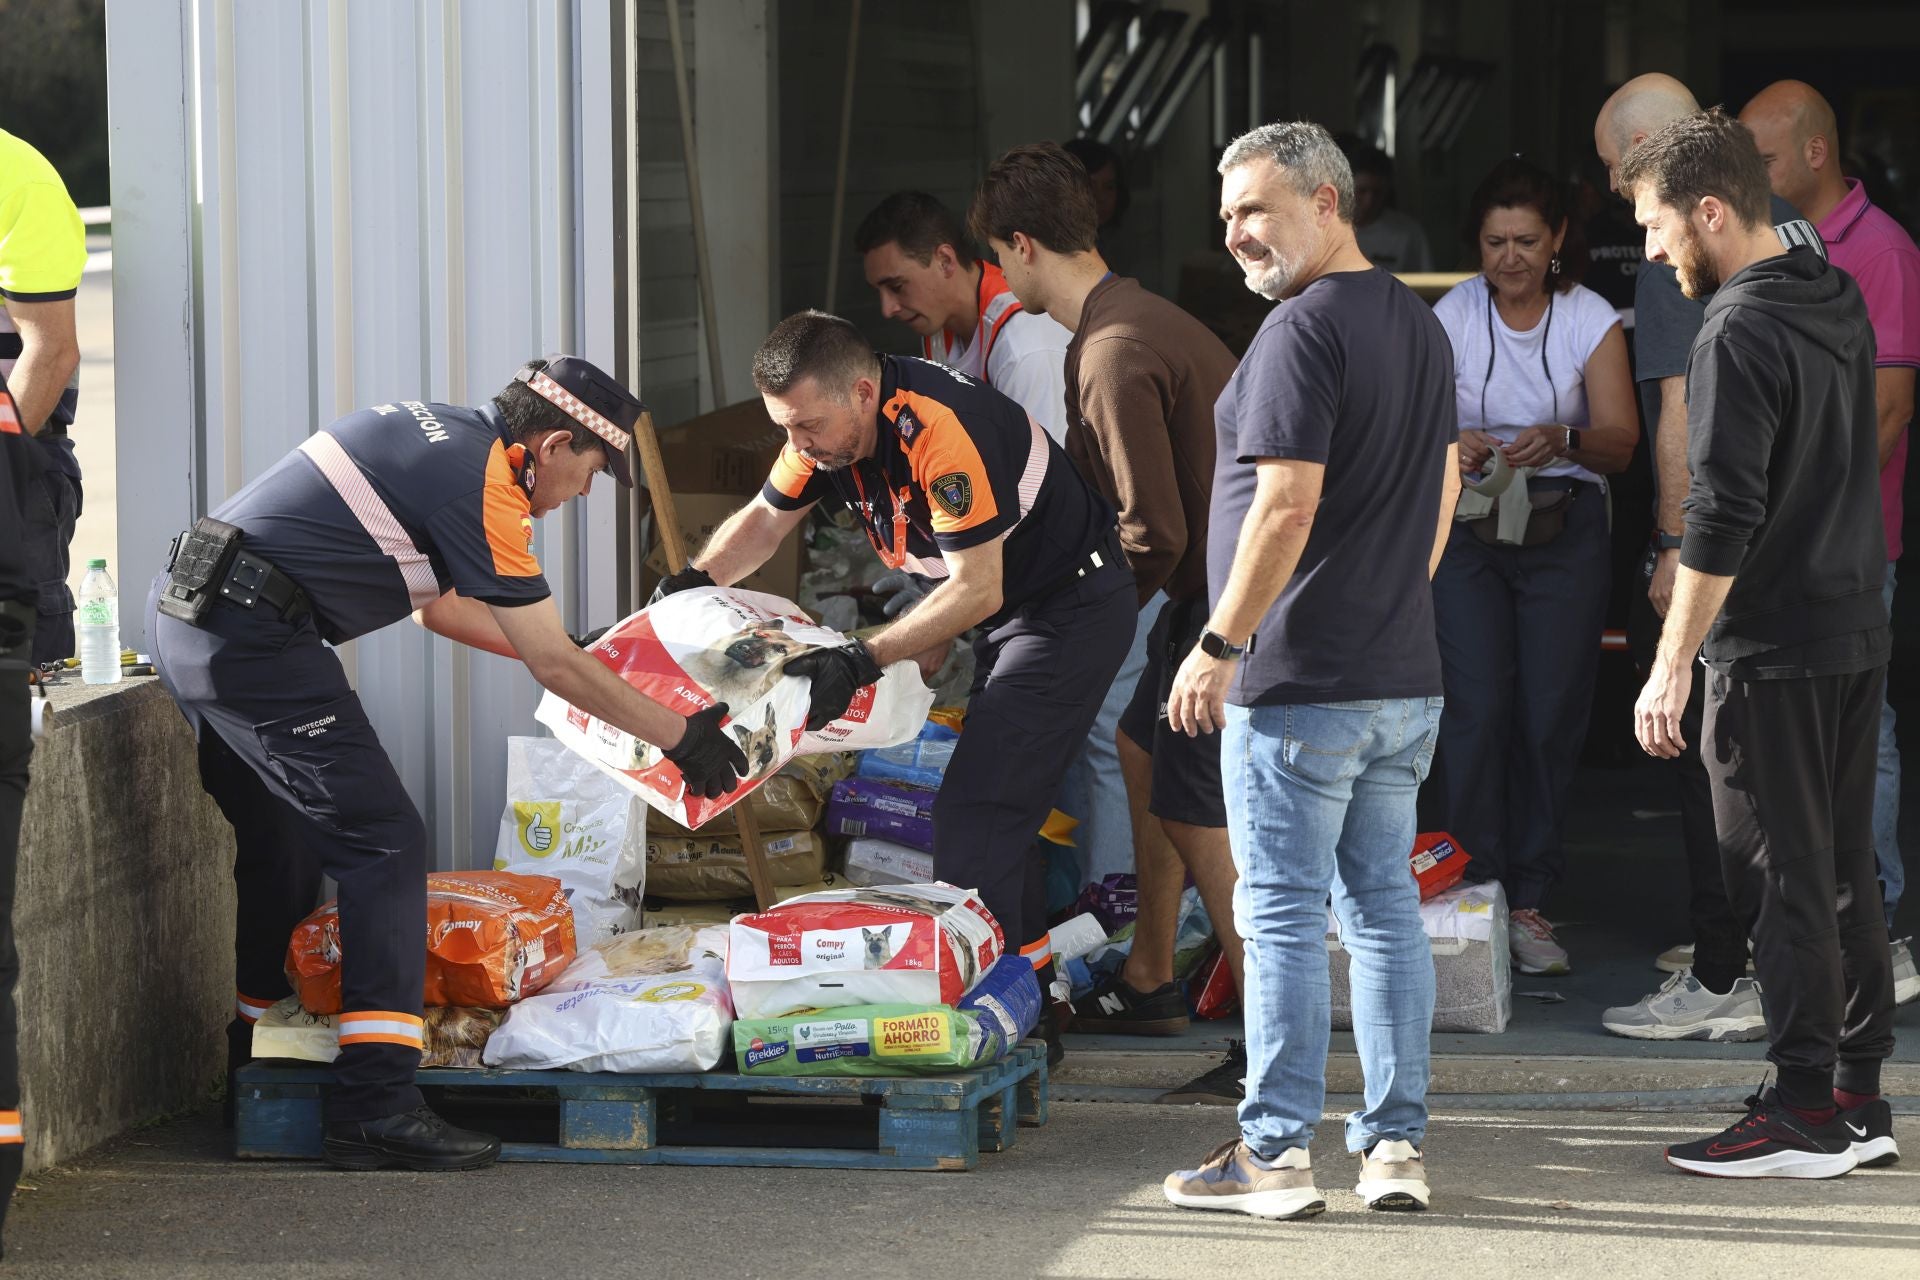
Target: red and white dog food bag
[(922, 944), (715, 644)]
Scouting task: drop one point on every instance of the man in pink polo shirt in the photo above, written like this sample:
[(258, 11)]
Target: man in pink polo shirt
[(1800, 142)]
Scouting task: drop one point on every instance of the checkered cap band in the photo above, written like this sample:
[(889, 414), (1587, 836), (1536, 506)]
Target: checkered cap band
[(584, 414)]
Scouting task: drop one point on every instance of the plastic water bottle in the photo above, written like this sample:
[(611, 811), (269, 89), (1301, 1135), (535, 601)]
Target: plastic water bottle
[(98, 624)]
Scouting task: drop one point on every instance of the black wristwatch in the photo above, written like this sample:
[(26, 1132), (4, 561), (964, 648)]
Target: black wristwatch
[(1573, 438), (1663, 541), (1215, 645)]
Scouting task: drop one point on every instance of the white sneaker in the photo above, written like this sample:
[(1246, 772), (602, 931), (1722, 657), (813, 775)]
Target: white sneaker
[(1906, 980), (1393, 1176), (1682, 1009), (1531, 939)]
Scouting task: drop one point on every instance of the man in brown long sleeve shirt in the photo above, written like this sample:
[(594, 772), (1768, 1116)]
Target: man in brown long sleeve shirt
[(1142, 377)]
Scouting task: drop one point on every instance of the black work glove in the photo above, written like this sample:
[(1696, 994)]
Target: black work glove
[(588, 639), (708, 757), (685, 580), (837, 675)]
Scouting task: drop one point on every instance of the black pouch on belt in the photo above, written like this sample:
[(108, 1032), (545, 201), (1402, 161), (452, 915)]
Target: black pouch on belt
[(202, 557), (1547, 520)]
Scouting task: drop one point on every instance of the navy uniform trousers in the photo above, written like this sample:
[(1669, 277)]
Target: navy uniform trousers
[(1038, 684), (288, 754), (16, 750)]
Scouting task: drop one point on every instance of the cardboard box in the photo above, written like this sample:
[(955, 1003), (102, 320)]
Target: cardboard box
[(730, 450), (700, 515), (715, 462)]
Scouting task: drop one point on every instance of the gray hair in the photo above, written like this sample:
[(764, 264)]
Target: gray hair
[(1306, 153)]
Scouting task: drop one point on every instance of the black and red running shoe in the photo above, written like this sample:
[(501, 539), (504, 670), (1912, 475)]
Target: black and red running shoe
[(1772, 1142), (1870, 1129)]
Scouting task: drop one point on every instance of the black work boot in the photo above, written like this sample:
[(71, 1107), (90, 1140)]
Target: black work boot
[(416, 1139)]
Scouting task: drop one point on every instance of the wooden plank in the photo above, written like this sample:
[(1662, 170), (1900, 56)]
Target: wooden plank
[(1032, 1092), (999, 1120), (609, 1125), (947, 1139)]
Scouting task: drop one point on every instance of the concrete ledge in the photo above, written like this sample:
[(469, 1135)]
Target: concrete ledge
[(123, 913)]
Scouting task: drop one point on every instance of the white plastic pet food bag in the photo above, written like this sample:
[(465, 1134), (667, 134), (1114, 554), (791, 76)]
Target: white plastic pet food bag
[(696, 648), (898, 944), (567, 819), (648, 1001)]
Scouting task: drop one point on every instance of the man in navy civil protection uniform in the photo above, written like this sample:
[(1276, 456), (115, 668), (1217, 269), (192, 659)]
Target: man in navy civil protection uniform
[(959, 486), (21, 464), (405, 508)]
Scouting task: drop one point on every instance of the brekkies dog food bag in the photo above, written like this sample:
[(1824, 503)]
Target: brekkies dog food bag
[(918, 944), (493, 937), (888, 1040), (716, 644)]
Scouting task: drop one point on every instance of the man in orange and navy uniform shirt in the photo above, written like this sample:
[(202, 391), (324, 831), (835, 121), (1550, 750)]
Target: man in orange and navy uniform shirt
[(405, 508), (959, 486)]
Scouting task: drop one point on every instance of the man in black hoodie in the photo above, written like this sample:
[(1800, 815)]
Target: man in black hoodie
[(1779, 576)]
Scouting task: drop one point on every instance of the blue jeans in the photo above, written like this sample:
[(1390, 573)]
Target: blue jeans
[(1321, 798), (1094, 792), (1886, 799)]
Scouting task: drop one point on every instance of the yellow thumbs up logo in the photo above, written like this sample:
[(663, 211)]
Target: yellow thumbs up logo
[(539, 823)]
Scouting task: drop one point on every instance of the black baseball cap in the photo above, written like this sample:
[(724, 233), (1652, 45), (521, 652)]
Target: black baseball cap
[(590, 396)]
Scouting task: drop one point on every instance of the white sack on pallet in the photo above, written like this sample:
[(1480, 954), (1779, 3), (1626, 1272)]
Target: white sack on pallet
[(566, 819), (648, 1001)]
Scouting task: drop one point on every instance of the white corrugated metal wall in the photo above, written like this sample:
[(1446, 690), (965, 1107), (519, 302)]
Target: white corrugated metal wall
[(323, 205)]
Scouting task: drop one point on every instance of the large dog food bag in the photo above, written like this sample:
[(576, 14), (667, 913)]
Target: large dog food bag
[(894, 1039), (650, 1000), (872, 861), (916, 944), (791, 800), (492, 938), (697, 648), (566, 819), (890, 810), (713, 868), (919, 762)]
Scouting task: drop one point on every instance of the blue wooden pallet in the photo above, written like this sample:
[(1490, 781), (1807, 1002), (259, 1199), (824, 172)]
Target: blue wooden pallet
[(716, 1118)]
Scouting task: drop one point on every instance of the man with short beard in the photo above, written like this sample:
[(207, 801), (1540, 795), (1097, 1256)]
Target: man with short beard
[(1779, 589), (957, 485), (1337, 466)]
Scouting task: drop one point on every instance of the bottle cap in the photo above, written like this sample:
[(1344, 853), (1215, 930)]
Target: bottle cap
[(97, 564)]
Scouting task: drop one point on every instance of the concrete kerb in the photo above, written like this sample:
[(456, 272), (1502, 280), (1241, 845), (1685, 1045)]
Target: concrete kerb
[(1480, 1081)]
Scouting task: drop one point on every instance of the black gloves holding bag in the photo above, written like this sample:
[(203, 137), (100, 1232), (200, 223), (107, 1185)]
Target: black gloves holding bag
[(837, 675), (709, 759)]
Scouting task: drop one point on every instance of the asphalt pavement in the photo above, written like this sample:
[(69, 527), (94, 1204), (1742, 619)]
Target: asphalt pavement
[(1539, 1195)]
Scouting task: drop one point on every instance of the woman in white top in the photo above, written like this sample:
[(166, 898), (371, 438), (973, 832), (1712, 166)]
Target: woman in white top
[(1541, 377)]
